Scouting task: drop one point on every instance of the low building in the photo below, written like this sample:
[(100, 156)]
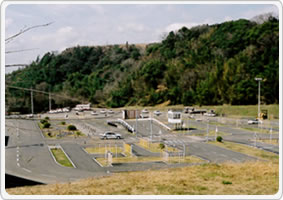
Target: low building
[(81, 107), (131, 114), (175, 117)]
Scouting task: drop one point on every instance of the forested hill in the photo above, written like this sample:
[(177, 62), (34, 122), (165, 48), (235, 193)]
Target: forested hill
[(214, 64)]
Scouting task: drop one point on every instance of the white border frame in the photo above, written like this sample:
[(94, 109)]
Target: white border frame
[(5, 195)]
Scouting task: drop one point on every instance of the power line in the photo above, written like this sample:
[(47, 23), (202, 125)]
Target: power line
[(43, 92), (16, 65)]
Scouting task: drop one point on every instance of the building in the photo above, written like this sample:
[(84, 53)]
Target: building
[(175, 117), (81, 107), (131, 114)]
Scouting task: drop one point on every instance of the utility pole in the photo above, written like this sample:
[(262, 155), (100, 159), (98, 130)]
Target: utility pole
[(258, 112), (151, 127), (207, 128), (31, 99), (136, 123), (49, 101)]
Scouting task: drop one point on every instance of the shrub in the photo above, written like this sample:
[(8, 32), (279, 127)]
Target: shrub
[(47, 118), (72, 128), (161, 146), (226, 182), (219, 139), (46, 125), (43, 121), (78, 133), (63, 123)]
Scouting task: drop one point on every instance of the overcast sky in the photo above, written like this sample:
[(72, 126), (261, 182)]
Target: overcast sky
[(98, 24)]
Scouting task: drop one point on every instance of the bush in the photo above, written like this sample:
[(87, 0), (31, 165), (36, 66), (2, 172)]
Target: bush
[(72, 128), (46, 118), (46, 125), (226, 182), (161, 146), (43, 121), (63, 123), (78, 133), (219, 139)]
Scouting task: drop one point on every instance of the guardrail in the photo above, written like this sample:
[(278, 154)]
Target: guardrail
[(123, 123)]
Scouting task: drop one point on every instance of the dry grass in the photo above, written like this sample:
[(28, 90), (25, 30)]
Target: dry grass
[(268, 141), (102, 150), (249, 151), (187, 159), (155, 147), (247, 111), (252, 178)]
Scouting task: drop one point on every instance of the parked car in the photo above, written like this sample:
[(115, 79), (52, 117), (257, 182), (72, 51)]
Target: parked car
[(110, 135), (157, 112), (93, 113), (103, 111), (254, 121), (110, 112), (209, 114), (30, 116), (144, 111)]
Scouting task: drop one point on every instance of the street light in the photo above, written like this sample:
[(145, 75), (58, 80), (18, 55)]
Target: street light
[(258, 112)]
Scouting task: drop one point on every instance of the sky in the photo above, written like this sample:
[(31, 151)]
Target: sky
[(105, 24)]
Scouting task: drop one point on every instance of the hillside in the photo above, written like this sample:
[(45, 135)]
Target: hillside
[(259, 178), (205, 65)]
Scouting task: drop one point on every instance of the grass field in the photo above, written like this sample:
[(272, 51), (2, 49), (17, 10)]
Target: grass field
[(155, 147), (60, 157), (249, 151), (255, 178), (228, 110), (259, 130), (102, 150), (211, 133), (187, 159), (245, 111), (268, 141)]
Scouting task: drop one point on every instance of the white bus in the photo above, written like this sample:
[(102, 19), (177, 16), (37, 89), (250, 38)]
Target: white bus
[(82, 107)]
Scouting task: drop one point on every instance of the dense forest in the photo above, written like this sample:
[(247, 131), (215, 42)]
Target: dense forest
[(204, 65)]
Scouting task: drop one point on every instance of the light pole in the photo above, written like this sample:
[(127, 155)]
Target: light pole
[(258, 111)]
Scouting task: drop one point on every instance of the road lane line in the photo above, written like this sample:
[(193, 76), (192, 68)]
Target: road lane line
[(27, 170), (51, 176)]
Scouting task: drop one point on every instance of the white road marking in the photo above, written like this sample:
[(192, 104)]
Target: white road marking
[(51, 176), (27, 170)]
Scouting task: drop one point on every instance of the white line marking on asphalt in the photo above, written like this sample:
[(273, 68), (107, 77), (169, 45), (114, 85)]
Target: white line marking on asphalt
[(18, 164), (51, 176), (97, 162), (26, 170)]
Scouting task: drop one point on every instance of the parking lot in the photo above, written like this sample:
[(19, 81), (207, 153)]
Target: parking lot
[(27, 152)]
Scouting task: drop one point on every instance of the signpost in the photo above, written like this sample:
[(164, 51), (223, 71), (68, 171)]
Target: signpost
[(216, 131), (258, 112)]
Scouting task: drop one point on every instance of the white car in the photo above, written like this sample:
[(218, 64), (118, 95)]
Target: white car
[(254, 121), (94, 113), (110, 135), (209, 114), (157, 112), (144, 111), (30, 116), (103, 111), (110, 112), (65, 110)]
